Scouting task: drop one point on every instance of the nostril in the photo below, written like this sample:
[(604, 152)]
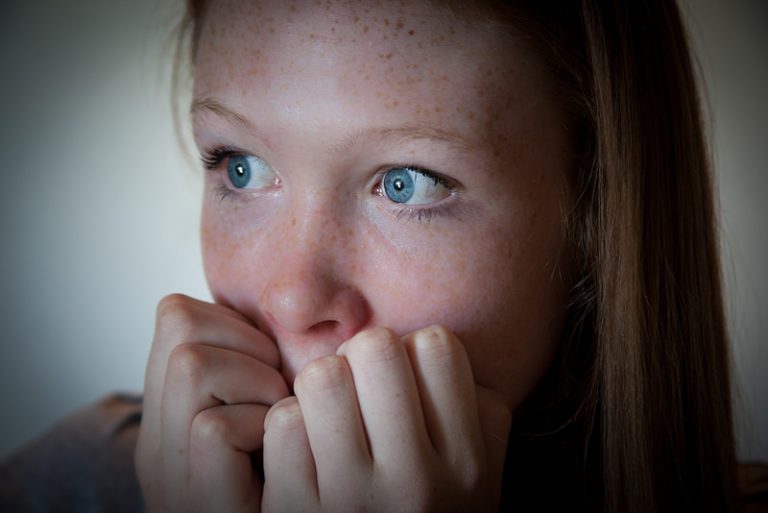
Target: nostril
[(325, 328)]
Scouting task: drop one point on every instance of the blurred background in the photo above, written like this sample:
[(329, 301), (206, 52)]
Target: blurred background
[(99, 204)]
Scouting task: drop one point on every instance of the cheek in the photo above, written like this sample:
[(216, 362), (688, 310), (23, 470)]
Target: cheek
[(230, 256), (493, 289)]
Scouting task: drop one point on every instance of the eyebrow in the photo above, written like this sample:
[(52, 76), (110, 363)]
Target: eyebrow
[(202, 105), (399, 134)]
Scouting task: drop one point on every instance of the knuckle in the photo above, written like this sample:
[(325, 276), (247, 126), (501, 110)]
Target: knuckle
[(212, 426), (176, 319), (437, 344), (378, 344), (472, 474), (284, 415), (326, 373), (188, 362), (170, 303)]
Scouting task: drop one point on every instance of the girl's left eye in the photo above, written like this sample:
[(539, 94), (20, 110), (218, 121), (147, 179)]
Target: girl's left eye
[(413, 186)]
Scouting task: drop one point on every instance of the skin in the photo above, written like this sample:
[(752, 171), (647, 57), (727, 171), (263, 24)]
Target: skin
[(451, 311)]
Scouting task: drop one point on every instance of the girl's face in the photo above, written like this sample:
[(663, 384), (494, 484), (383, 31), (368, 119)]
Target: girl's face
[(374, 165)]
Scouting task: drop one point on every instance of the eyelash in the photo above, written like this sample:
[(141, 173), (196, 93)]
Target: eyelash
[(213, 157)]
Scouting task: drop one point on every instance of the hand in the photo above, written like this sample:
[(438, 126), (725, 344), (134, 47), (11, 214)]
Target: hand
[(210, 380), (387, 425)]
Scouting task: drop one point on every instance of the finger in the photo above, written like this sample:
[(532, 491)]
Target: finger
[(495, 423), (180, 320), (201, 377), (189, 320), (290, 481), (448, 398), (216, 307), (326, 394), (387, 395), (222, 439)]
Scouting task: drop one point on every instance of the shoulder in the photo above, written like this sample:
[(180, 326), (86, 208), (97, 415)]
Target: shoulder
[(83, 463)]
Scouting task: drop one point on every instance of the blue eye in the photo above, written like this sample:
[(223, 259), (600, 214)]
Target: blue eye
[(249, 172), (412, 186), (398, 185), (239, 171)]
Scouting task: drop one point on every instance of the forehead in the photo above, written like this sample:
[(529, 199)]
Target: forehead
[(385, 58), (344, 22)]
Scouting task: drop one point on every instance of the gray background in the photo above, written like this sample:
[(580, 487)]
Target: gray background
[(99, 207)]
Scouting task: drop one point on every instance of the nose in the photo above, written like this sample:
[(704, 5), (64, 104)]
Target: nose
[(309, 302), (310, 294)]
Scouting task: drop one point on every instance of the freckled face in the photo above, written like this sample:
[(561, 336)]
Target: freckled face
[(374, 165)]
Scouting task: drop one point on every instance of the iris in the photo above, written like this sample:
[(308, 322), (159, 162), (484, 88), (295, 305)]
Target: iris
[(239, 171), (398, 184)]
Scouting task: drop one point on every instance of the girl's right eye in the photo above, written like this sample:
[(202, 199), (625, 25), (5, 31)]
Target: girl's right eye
[(250, 172), (243, 171)]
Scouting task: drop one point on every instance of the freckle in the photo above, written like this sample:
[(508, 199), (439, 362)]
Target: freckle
[(386, 22), (411, 32), (356, 19), (438, 109), (365, 29), (419, 45), (400, 23), (388, 56), (471, 115)]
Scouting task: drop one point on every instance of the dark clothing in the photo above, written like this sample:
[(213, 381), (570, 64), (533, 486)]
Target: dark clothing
[(83, 464)]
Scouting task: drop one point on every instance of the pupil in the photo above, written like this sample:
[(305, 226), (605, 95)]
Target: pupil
[(240, 170), (399, 185)]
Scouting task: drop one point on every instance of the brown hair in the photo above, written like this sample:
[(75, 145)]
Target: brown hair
[(647, 320), (642, 380)]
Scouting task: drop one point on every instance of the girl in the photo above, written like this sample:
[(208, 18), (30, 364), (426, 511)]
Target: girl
[(425, 219), (463, 258)]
